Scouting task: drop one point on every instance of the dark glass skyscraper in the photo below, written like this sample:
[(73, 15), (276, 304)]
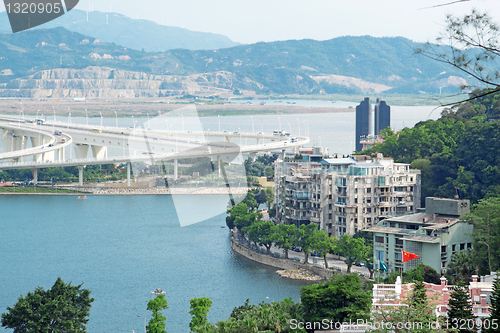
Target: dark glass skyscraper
[(382, 116), (362, 121), (382, 119)]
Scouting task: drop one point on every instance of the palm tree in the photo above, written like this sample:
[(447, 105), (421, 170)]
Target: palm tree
[(461, 266)]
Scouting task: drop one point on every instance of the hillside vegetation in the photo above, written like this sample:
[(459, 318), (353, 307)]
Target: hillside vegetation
[(288, 67)]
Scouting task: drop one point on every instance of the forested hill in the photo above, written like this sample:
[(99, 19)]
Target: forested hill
[(388, 61), (458, 154), (131, 33), (341, 65)]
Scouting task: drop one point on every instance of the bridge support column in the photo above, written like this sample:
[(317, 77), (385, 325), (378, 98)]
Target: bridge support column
[(99, 152), (34, 172), (258, 141), (176, 169), (80, 175), (82, 151), (253, 156), (129, 166), (218, 164)]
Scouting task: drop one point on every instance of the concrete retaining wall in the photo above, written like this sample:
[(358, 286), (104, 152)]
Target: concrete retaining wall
[(278, 263)]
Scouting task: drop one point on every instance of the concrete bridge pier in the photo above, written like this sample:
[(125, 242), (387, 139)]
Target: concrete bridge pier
[(176, 169), (80, 175), (218, 164), (129, 166), (99, 152), (253, 156), (34, 172), (82, 151)]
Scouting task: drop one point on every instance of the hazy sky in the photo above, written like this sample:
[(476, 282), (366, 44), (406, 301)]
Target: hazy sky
[(270, 20)]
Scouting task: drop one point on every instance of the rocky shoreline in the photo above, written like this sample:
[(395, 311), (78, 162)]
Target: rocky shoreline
[(299, 274)]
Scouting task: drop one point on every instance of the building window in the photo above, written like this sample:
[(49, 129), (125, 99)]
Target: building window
[(443, 249), (462, 246), (469, 245), (398, 255), (453, 248), (379, 239), (368, 190)]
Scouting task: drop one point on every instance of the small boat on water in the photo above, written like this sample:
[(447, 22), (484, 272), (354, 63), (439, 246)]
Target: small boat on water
[(158, 292), (81, 197)]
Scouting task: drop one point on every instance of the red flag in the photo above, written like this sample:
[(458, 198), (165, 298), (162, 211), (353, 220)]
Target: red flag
[(407, 256)]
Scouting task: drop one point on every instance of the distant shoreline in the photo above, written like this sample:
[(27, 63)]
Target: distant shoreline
[(144, 191)]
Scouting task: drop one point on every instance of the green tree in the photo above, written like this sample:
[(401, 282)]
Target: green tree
[(63, 308), (353, 249), (157, 323), (462, 266), (239, 210), (485, 218), (339, 299), (199, 310), (286, 237), (263, 233), (306, 238), (459, 309), (495, 305), (324, 244)]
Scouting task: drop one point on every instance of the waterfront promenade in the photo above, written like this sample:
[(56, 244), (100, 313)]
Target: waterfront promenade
[(277, 259)]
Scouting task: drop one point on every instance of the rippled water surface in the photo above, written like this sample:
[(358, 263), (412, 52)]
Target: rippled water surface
[(123, 247)]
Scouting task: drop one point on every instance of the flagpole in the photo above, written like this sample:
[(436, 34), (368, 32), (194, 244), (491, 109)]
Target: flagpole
[(402, 265), (378, 271)]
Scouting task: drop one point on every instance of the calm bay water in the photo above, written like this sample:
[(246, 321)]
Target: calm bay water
[(122, 248)]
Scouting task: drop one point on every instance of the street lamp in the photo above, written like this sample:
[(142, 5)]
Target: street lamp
[(149, 125), (54, 109), (116, 116), (253, 130), (101, 118), (87, 117), (144, 322), (218, 117), (489, 258)]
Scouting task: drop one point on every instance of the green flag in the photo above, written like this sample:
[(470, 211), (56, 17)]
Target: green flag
[(382, 266)]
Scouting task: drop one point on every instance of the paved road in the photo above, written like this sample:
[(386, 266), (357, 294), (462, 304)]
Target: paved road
[(332, 262)]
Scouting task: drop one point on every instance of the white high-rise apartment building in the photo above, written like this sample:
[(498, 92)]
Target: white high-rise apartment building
[(344, 195)]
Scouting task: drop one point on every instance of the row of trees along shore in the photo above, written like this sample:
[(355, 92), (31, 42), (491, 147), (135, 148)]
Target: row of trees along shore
[(248, 220), (65, 308)]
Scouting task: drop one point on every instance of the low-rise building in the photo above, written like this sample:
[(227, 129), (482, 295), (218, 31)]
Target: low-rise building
[(434, 235), (388, 296), (344, 195)]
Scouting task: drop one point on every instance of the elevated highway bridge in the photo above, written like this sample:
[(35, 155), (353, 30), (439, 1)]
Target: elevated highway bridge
[(44, 144)]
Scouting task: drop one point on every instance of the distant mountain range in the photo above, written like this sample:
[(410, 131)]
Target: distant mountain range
[(341, 65), (132, 33)]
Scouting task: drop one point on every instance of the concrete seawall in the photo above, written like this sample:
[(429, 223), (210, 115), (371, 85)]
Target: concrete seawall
[(277, 262)]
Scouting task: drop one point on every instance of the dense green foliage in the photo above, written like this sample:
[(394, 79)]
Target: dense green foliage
[(66, 174), (199, 310), (339, 299), (462, 266), (157, 322), (63, 308), (495, 305), (265, 317), (421, 273), (457, 154), (485, 217), (459, 308)]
